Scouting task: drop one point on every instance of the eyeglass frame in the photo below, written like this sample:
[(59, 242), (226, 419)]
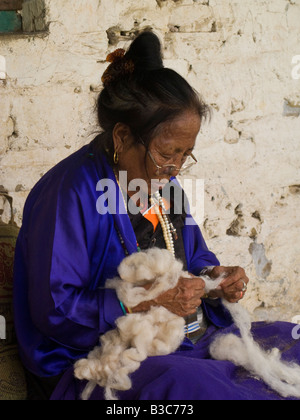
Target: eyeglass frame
[(175, 169)]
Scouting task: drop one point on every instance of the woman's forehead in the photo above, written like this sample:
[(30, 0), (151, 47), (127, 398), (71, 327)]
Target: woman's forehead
[(179, 133)]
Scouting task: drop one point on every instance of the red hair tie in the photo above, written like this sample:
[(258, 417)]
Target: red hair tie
[(116, 55)]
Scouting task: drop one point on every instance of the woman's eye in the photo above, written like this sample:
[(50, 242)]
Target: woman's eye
[(165, 156)]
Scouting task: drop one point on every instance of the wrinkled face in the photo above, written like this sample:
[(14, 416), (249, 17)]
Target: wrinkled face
[(169, 149), (173, 146)]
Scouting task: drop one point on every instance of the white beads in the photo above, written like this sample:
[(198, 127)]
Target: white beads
[(164, 222)]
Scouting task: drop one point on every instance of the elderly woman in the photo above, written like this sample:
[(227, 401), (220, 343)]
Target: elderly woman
[(82, 219)]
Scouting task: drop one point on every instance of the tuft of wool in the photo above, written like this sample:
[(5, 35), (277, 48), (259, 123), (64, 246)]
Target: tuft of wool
[(137, 336), (160, 332), (155, 266), (281, 376)]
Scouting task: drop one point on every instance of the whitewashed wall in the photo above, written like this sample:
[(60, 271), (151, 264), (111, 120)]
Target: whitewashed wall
[(239, 55)]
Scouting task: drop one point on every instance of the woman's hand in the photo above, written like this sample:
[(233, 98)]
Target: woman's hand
[(234, 285), (183, 300)]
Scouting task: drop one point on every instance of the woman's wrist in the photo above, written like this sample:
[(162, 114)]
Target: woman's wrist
[(126, 310)]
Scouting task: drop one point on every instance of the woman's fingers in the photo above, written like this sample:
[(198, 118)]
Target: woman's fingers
[(235, 275)]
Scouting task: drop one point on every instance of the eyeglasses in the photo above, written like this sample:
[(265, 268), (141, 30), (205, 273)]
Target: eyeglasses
[(189, 161), (169, 169)]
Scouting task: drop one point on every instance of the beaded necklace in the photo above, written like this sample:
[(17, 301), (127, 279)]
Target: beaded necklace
[(117, 229), (167, 227)]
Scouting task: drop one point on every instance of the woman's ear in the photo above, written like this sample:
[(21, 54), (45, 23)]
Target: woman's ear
[(122, 137)]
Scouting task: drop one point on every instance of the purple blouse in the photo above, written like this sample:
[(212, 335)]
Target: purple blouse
[(65, 253)]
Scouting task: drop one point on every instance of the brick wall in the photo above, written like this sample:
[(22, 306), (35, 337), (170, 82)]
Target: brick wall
[(242, 57)]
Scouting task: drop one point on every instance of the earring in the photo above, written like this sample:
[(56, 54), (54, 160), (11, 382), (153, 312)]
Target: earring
[(116, 158)]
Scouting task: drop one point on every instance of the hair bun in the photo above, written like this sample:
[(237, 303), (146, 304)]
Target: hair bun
[(146, 52), (144, 55)]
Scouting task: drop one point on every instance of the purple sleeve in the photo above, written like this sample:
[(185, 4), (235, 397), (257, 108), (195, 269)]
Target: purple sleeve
[(63, 305), (197, 253)]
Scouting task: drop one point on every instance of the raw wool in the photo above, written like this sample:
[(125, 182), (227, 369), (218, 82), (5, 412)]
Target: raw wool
[(137, 336), (156, 266), (159, 332), (281, 376)]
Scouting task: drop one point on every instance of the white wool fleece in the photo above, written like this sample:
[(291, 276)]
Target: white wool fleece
[(138, 336), (281, 376), (160, 332)]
